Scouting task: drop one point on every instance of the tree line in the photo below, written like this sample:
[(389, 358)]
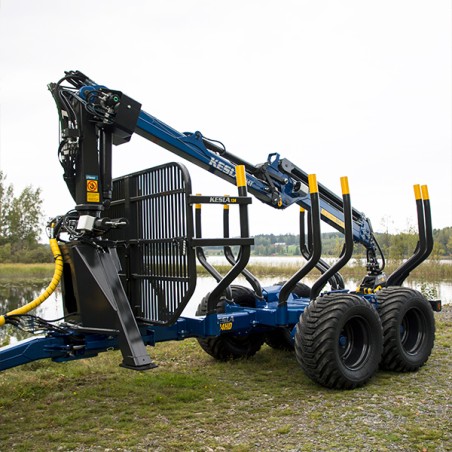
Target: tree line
[(22, 223), (394, 246)]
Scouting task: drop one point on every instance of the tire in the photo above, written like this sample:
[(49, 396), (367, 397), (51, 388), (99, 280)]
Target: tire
[(300, 290), (339, 341), (228, 346), (280, 338), (408, 328)]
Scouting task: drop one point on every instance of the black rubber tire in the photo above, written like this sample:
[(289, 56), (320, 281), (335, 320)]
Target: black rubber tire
[(408, 328), (280, 338), (339, 341), (300, 290), (231, 346)]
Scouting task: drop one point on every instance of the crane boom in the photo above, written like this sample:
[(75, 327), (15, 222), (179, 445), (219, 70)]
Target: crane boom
[(277, 182)]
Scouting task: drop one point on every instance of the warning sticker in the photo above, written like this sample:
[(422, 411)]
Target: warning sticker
[(92, 186), (92, 197)]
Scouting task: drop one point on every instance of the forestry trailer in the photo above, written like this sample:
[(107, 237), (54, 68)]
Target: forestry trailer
[(126, 256)]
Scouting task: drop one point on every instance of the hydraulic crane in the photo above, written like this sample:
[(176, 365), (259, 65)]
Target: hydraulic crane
[(129, 248)]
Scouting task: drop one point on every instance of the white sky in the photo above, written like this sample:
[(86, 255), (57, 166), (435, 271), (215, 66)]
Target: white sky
[(353, 87)]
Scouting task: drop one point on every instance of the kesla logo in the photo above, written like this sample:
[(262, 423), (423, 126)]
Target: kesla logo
[(224, 168), (222, 199)]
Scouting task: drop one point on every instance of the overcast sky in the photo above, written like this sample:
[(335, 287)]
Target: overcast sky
[(353, 87)]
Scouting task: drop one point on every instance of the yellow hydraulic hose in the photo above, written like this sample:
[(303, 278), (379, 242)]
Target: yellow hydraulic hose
[(50, 288)]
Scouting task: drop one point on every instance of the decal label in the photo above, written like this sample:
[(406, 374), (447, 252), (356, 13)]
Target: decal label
[(92, 197), (226, 169), (222, 199), (331, 217), (92, 188), (226, 326)]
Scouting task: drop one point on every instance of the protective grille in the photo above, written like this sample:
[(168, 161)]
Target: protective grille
[(158, 265)]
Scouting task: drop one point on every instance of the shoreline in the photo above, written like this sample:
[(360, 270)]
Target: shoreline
[(431, 271)]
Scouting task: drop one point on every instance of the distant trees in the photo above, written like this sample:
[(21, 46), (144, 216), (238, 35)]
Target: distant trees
[(21, 224), (394, 246)]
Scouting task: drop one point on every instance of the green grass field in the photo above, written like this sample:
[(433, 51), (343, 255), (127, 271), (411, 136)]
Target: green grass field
[(192, 402)]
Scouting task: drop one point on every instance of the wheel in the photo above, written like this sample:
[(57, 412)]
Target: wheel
[(231, 346), (300, 290), (280, 338), (339, 341), (408, 328)]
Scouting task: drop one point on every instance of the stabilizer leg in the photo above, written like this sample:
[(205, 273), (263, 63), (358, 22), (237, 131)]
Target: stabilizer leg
[(102, 302)]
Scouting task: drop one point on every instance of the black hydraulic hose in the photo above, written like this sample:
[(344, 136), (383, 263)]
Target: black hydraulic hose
[(210, 144)]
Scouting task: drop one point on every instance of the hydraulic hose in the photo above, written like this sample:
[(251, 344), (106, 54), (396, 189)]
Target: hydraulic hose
[(49, 290)]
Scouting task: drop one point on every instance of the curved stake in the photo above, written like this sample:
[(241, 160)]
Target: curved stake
[(316, 253), (348, 246)]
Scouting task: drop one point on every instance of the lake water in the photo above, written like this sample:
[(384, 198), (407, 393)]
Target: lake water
[(14, 295)]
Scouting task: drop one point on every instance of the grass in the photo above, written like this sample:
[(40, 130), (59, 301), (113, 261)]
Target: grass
[(18, 272), (192, 402), (431, 271)]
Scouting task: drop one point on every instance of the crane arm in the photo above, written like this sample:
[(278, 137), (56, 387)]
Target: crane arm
[(276, 182)]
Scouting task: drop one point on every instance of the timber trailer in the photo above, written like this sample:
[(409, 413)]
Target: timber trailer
[(126, 256)]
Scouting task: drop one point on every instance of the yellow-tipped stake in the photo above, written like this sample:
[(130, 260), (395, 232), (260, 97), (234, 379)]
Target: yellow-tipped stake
[(240, 175), (425, 195), (50, 288), (344, 185), (226, 206), (198, 206), (417, 192), (312, 181)]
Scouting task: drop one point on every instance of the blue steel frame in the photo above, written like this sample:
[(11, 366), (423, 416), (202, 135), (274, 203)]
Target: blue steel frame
[(81, 343)]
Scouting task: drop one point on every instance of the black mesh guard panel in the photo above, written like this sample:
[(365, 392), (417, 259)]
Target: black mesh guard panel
[(158, 266)]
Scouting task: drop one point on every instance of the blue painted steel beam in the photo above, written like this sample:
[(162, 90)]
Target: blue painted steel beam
[(77, 344)]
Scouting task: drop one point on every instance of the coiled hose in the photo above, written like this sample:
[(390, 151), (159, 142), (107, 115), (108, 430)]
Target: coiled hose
[(49, 290)]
